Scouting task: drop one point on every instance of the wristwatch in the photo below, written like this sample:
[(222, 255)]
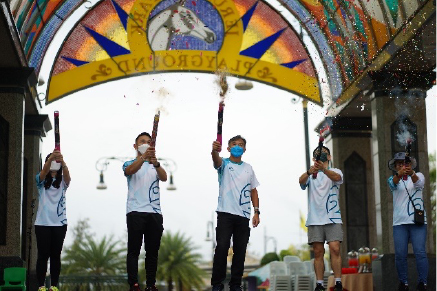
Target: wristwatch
[(157, 166), (257, 210)]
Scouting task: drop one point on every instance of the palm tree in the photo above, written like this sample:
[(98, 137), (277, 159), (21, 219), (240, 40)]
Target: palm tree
[(177, 262), (104, 257)]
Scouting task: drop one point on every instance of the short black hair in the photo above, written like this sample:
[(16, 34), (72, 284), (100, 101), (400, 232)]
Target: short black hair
[(315, 150), (141, 134), (237, 137)]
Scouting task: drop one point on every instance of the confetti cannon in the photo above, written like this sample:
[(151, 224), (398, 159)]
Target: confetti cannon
[(323, 132), (407, 156), (57, 135), (155, 129), (220, 122)]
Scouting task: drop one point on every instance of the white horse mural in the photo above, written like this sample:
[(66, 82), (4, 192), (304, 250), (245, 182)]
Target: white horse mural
[(176, 19)]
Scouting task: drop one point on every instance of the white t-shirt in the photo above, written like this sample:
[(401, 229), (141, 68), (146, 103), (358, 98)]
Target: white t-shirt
[(236, 180), (323, 207), (51, 204), (403, 210), (143, 189)]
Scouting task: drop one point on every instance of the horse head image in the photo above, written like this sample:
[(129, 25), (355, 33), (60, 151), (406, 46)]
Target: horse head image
[(176, 19)]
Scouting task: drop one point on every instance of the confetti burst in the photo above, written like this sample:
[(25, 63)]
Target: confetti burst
[(221, 81)]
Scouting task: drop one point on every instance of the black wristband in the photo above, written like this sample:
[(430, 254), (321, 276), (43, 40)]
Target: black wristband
[(159, 165), (308, 173)]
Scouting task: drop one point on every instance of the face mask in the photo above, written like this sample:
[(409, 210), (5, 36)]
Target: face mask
[(323, 157), (143, 148), (237, 151), (54, 166)]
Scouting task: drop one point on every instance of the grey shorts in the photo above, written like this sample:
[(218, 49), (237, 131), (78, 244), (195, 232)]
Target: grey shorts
[(327, 232)]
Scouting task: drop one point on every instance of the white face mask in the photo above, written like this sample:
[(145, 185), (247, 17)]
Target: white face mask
[(143, 148), (54, 166)]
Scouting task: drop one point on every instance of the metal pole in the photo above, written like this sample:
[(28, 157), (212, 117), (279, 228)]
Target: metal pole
[(307, 140), (265, 241), (307, 153)]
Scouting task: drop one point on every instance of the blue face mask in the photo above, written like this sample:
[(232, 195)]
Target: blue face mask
[(323, 157), (237, 151)]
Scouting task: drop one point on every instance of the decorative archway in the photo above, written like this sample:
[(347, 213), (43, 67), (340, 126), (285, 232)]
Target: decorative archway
[(166, 36)]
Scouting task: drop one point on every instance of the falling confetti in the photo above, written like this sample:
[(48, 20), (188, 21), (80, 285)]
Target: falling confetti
[(222, 82)]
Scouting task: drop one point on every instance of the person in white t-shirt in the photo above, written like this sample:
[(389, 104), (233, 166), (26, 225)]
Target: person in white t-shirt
[(324, 219), (237, 190), (143, 211), (404, 228), (51, 218)]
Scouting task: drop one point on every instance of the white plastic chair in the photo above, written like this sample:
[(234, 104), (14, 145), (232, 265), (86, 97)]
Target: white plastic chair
[(288, 259), (300, 277), (310, 269), (279, 277)]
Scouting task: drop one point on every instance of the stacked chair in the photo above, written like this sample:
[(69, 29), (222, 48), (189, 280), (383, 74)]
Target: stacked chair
[(279, 277), (301, 279)]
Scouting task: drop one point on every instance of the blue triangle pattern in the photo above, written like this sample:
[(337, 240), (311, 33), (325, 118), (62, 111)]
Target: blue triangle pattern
[(75, 62), (293, 64), (257, 50), (248, 15), (112, 48), (121, 14)]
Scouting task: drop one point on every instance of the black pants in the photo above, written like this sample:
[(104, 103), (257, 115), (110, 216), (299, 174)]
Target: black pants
[(49, 241), (238, 227), (149, 226)]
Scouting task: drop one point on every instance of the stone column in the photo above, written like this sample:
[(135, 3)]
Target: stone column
[(35, 127), (11, 119)]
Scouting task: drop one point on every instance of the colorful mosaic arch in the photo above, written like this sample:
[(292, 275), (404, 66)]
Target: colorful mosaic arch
[(348, 35)]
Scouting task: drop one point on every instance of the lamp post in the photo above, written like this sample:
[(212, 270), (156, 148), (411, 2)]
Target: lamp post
[(102, 165), (171, 166), (210, 225), (267, 239)]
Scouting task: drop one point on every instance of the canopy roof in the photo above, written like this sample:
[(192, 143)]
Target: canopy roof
[(348, 34)]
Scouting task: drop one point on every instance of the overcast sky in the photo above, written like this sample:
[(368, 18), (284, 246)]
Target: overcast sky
[(103, 121)]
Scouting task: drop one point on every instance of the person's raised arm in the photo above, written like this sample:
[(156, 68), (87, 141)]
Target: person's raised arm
[(46, 168), (304, 177), (162, 175), (399, 175), (216, 148), (136, 165), (65, 171), (334, 176)]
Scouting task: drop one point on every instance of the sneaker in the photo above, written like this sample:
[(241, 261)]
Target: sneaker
[(319, 287), (218, 287), (421, 287), (53, 288), (135, 287), (338, 286), (403, 287), (42, 288), (235, 288), (152, 288)]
